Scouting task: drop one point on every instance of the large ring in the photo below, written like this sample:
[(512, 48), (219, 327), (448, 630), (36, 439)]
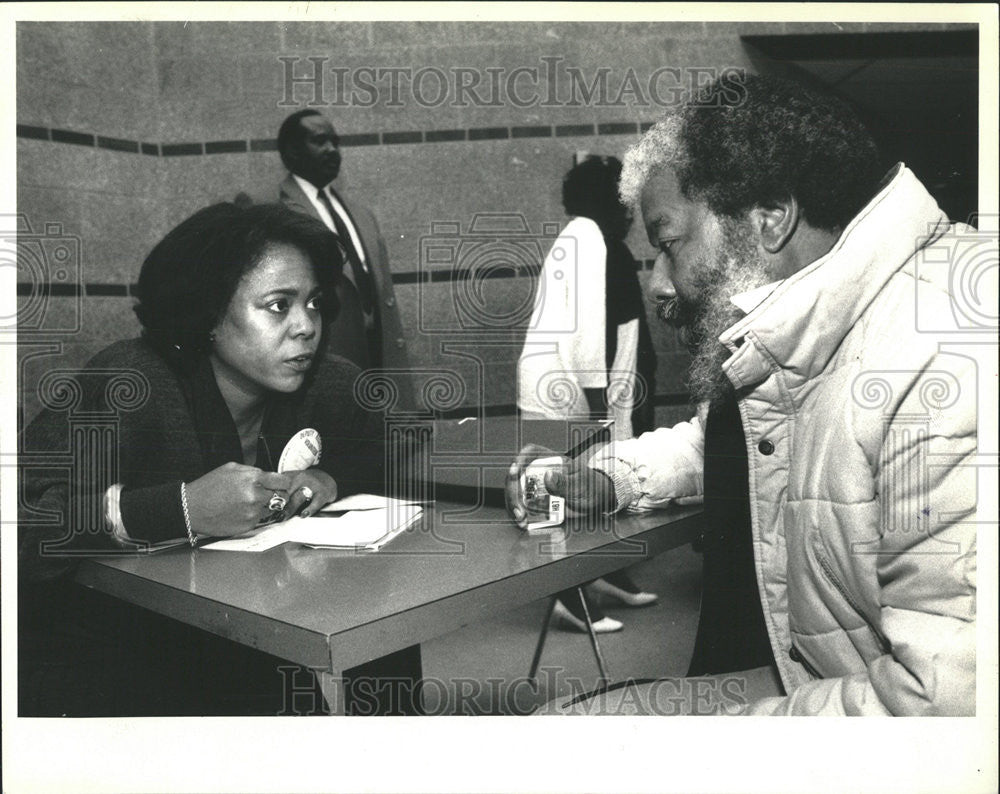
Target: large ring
[(277, 503), (307, 493)]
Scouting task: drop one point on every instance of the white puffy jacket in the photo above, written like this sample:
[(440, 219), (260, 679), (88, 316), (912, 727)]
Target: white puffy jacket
[(860, 433)]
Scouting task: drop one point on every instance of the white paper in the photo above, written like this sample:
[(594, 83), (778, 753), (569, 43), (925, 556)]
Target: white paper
[(365, 501), (365, 529), (368, 529), (266, 538)]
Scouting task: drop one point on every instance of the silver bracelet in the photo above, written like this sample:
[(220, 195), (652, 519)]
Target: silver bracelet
[(187, 516)]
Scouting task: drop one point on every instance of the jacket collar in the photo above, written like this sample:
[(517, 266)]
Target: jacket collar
[(801, 324)]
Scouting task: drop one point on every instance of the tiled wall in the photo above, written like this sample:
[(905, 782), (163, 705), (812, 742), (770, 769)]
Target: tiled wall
[(124, 129)]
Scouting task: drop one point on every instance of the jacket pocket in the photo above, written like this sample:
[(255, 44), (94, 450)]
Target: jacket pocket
[(831, 577), (796, 656)]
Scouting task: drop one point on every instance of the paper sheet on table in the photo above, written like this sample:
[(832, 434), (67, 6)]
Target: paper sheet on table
[(369, 529), (366, 529), (260, 540), (364, 501)]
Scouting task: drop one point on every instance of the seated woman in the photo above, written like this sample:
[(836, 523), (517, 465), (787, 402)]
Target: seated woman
[(229, 367)]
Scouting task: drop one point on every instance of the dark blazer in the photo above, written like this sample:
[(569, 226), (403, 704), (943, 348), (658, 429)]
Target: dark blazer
[(170, 427), (389, 327)]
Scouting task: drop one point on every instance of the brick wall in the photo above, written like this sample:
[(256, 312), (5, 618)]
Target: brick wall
[(125, 129)]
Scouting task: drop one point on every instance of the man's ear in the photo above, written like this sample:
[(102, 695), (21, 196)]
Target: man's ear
[(775, 223)]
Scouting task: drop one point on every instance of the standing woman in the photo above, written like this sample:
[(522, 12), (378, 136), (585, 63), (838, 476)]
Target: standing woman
[(588, 352), (230, 365)]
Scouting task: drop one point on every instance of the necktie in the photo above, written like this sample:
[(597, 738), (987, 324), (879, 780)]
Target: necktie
[(362, 278)]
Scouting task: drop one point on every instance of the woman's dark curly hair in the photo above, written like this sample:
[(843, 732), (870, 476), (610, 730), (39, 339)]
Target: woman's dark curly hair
[(590, 190), (190, 276), (746, 140)]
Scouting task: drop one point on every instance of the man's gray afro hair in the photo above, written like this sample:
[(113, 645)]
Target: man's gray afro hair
[(660, 147)]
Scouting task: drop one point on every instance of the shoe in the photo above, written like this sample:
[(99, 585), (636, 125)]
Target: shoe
[(619, 585), (602, 624)]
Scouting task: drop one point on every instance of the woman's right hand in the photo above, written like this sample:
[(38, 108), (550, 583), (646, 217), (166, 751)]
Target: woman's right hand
[(232, 499)]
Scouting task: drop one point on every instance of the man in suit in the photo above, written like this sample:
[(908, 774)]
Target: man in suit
[(368, 330)]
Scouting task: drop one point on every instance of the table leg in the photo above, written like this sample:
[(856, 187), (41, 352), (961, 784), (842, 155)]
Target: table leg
[(332, 685), (387, 686), (541, 638), (593, 637)]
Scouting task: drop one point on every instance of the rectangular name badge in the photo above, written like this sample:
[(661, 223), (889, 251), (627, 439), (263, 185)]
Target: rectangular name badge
[(544, 510)]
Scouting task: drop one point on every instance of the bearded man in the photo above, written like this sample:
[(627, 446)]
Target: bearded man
[(839, 543)]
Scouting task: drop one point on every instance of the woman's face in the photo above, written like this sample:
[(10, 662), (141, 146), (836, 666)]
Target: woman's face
[(268, 337)]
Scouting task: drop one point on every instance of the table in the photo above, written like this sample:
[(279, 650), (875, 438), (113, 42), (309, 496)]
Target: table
[(332, 610)]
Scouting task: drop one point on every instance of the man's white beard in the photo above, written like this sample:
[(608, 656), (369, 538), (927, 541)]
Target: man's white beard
[(736, 267)]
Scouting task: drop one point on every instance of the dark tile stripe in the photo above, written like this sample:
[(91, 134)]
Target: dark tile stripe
[(448, 274), (409, 136), (37, 133), (618, 128), (223, 147), (488, 133), (181, 149), (531, 132), (56, 290), (118, 144), (413, 277), (410, 277), (107, 290), (364, 139), (435, 136), (566, 130), (356, 139), (69, 136)]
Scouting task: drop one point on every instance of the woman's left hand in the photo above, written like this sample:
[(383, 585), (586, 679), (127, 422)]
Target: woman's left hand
[(305, 481)]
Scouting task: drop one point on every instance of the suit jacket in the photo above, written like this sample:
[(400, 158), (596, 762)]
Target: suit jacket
[(346, 337)]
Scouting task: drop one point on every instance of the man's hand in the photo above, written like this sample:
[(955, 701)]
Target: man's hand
[(584, 489)]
